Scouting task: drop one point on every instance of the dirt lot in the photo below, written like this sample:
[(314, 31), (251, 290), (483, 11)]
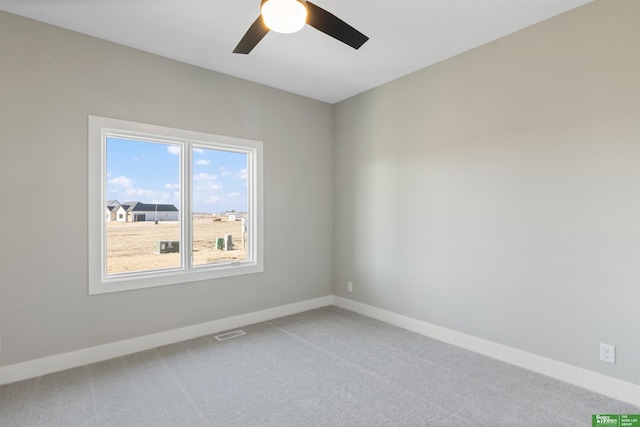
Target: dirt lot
[(131, 246)]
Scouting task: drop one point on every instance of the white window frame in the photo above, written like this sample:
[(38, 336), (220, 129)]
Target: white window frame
[(99, 282)]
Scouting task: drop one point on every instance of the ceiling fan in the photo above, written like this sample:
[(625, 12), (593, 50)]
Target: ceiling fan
[(289, 16)]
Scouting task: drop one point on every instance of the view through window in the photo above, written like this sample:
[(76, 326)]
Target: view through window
[(143, 206), (172, 206), (219, 195), (144, 199)]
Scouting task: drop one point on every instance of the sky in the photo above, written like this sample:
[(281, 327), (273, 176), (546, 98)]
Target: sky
[(149, 172)]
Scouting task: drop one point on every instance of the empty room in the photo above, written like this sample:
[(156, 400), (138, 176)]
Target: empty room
[(327, 213)]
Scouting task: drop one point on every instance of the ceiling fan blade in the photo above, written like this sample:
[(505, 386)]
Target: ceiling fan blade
[(252, 37), (333, 26)]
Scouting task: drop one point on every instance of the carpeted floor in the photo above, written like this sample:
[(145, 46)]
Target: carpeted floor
[(326, 367)]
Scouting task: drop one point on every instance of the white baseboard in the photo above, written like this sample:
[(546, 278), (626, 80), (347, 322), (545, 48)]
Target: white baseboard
[(73, 359), (599, 383), (589, 380)]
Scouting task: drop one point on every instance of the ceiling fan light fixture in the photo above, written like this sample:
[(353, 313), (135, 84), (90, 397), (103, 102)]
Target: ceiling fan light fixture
[(284, 16)]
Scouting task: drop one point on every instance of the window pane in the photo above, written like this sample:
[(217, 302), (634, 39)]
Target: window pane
[(142, 207), (220, 202)]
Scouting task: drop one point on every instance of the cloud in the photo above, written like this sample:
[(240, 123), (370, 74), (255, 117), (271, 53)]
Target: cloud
[(243, 174), (212, 200), (208, 191), (121, 182), (203, 162), (124, 188), (198, 150), (173, 149), (234, 194), (172, 186), (207, 186), (205, 177)]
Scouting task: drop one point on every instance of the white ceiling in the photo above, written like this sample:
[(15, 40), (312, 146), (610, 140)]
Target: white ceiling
[(405, 36)]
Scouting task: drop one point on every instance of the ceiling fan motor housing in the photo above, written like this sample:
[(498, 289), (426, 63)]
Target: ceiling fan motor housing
[(262, 2), (284, 16), (316, 17)]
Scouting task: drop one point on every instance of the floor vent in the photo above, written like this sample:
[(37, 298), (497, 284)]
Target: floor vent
[(230, 335)]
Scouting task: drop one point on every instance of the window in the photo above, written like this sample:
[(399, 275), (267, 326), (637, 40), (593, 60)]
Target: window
[(169, 206)]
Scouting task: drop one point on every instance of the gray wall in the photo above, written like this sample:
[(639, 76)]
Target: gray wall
[(50, 81), (497, 193)]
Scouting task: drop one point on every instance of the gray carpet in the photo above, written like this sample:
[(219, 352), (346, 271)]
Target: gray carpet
[(326, 367)]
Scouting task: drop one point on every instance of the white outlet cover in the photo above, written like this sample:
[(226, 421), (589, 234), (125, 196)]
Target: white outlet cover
[(608, 353)]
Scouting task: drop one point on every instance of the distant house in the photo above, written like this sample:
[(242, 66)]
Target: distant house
[(139, 212), (112, 210), (121, 213)]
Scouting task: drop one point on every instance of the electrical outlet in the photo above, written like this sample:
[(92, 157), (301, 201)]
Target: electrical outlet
[(608, 353), (350, 286)]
